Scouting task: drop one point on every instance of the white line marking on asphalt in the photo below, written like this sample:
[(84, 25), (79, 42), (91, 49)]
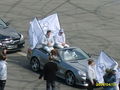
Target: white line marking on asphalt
[(22, 53)]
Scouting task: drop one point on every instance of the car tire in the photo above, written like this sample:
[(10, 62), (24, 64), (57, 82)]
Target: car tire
[(70, 78), (35, 64)]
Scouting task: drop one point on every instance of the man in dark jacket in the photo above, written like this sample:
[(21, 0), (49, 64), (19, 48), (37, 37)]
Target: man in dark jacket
[(49, 73), (110, 78)]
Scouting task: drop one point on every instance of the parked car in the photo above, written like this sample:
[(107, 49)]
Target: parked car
[(9, 38), (72, 63)]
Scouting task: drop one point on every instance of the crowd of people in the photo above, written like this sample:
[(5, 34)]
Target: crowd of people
[(49, 42), (50, 68)]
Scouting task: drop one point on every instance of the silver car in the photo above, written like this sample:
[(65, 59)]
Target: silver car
[(10, 38), (72, 63)]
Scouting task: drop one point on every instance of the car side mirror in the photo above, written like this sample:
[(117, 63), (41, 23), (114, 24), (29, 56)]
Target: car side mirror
[(7, 23), (89, 55)]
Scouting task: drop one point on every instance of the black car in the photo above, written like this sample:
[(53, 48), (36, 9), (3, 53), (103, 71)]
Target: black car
[(9, 38)]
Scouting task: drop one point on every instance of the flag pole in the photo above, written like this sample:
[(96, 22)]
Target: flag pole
[(41, 28), (59, 20)]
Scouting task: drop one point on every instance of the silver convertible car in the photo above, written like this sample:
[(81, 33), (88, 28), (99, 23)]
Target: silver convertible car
[(72, 63)]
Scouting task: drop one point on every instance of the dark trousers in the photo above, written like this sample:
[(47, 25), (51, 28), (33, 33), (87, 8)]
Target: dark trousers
[(91, 86), (2, 84), (50, 84)]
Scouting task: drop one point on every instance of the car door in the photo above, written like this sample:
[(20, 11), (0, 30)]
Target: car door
[(62, 67), (42, 56), (44, 59)]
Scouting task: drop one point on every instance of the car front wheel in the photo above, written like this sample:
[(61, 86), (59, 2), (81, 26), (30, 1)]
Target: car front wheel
[(70, 78), (35, 64)]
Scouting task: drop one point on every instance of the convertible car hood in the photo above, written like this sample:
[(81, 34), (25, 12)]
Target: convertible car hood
[(9, 32), (79, 64)]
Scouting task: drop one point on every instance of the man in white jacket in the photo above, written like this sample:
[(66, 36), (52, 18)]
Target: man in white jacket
[(60, 40), (3, 71), (48, 41)]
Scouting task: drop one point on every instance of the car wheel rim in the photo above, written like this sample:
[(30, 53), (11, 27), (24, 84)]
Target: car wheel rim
[(70, 78), (35, 64)]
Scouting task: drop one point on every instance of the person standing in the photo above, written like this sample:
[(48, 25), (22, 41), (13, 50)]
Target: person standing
[(117, 79), (49, 73), (48, 41), (3, 71), (91, 74), (60, 40), (111, 79)]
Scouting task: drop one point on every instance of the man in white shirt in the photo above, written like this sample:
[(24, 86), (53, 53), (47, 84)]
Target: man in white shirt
[(3, 71), (91, 74), (60, 40), (48, 41)]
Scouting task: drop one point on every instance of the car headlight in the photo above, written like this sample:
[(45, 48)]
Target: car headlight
[(82, 74), (83, 77), (11, 40), (7, 41), (21, 37)]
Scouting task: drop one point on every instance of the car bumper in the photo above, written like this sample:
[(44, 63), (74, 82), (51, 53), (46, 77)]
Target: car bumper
[(15, 47), (82, 81)]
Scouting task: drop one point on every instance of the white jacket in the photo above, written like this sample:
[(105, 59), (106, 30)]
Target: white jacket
[(46, 40), (91, 73), (3, 70), (59, 39)]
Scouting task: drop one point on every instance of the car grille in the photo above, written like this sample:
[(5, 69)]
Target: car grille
[(15, 41)]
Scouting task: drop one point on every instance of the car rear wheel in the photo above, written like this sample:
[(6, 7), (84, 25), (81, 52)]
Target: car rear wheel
[(35, 64), (70, 78)]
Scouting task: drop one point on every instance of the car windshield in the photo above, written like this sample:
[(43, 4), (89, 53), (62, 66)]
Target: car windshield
[(73, 54), (2, 24)]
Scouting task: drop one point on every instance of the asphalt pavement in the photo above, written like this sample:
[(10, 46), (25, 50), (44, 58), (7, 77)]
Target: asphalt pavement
[(92, 25)]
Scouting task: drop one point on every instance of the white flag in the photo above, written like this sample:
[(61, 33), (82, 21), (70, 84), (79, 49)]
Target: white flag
[(104, 62), (35, 34), (32, 40), (38, 29), (50, 23)]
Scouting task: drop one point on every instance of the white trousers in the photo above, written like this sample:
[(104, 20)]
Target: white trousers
[(61, 46), (47, 48), (117, 86)]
